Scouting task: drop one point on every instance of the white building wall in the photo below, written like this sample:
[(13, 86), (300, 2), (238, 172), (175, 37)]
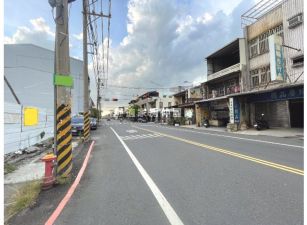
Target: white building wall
[(29, 69), (165, 100), (293, 37)]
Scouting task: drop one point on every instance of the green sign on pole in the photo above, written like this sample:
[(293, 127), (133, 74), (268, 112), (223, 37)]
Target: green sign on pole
[(63, 80)]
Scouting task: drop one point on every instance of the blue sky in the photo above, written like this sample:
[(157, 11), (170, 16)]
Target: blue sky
[(19, 13), (153, 41)]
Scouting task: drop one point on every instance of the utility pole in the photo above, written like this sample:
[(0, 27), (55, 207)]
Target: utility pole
[(98, 99), (86, 113), (63, 83)]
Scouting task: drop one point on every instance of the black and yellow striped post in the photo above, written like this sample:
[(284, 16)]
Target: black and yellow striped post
[(63, 83), (86, 126), (64, 140)]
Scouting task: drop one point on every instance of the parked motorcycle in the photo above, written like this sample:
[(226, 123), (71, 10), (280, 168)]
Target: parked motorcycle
[(261, 123), (206, 123)]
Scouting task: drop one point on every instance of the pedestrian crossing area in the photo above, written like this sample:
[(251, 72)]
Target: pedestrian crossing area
[(116, 123), (140, 136)]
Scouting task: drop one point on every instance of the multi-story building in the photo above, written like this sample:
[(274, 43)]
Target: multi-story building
[(152, 103), (185, 100), (275, 59), (226, 73)]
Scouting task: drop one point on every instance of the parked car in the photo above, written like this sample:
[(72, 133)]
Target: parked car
[(93, 123), (142, 120), (77, 123)]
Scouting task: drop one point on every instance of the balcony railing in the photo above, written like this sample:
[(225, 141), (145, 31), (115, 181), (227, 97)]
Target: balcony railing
[(223, 72), (227, 91)]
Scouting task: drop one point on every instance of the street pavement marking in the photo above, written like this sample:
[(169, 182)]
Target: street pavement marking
[(168, 210), (238, 155), (221, 135), (141, 136), (131, 131)]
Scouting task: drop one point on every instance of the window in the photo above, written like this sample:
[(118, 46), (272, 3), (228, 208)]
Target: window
[(255, 77), (160, 105), (264, 74), (295, 20), (169, 104), (253, 48), (260, 44), (255, 80), (221, 91), (298, 61), (263, 44)]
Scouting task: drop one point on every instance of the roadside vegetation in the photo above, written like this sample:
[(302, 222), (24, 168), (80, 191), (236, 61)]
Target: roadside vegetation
[(9, 168), (25, 197)]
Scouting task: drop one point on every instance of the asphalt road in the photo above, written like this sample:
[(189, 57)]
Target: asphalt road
[(151, 175)]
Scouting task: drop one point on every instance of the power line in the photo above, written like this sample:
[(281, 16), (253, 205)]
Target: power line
[(146, 88), (108, 41)]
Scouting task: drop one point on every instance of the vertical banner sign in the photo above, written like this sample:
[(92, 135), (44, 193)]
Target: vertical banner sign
[(189, 93), (236, 108), (276, 57), (231, 111)]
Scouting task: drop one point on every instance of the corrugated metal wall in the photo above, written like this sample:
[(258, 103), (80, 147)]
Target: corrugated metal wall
[(16, 135), (30, 68), (276, 113)]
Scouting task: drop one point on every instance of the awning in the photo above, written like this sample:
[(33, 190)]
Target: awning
[(287, 85), (186, 105), (212, 99)]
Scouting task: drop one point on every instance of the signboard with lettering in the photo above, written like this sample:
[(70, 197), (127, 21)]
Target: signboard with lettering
[(282, 94), (276, 57), (231, 111), (236, 109)]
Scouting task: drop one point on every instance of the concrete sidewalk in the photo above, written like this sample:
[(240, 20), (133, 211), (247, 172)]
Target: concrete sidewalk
[(30, 169), (275, 132)]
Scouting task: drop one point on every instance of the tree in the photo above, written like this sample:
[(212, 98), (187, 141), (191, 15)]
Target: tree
[(133, 110), (95, 113)]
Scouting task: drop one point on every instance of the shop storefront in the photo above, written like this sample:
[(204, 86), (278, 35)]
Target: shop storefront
[(283, 107)]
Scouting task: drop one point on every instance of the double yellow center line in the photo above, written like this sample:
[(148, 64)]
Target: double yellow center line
[(231, 153)]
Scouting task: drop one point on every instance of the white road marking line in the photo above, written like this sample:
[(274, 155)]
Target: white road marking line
[(131, 131), (246, 139), (168, 210), (141, 136)]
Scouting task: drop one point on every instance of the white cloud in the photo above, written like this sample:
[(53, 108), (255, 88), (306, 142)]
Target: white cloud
[(79, 37), (167, 44), (39, 25), (39, 33)]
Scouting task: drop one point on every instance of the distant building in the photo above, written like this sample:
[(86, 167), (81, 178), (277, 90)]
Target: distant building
[(152, 105), (185, 100)]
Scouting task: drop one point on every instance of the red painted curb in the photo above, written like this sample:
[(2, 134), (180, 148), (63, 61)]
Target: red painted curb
[(71, 190)]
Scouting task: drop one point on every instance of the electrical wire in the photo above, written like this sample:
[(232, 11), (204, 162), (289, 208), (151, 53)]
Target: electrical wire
[(108, 47)]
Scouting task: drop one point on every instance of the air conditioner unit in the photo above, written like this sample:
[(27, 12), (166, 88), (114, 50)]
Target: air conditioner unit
[(295, 20)]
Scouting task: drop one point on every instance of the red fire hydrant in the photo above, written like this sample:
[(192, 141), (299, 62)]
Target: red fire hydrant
[(49, 178)]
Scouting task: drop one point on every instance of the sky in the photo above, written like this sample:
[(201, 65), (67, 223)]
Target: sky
[(154, 43)]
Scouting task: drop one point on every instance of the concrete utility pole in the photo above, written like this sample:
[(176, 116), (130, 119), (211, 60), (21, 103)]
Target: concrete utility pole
[(63, 83), (98, 99), (86, 113)]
